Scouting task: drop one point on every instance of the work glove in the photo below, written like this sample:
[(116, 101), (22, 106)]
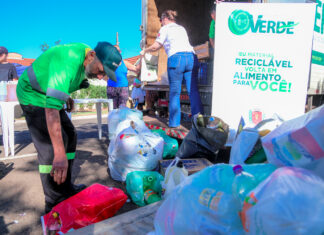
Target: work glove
[(84, 84)]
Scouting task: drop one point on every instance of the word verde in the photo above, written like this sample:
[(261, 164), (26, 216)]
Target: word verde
[(240, 22)]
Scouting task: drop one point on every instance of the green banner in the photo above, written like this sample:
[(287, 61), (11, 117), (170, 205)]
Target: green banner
[(317, 58)]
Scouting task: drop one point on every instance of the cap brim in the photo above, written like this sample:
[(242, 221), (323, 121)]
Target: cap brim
[(110, 73)]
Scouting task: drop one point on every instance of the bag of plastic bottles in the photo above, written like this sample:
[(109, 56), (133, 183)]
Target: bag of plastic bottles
[(174, 175), (91, 205), (289, 201), (138, 124), (204, 204), (247, 146), (144, 187), (118, 115), (298, 141), (171, 145), (134, 151), (202, 141)]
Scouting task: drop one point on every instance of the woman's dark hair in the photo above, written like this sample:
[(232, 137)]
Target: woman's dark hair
[(171, 15)]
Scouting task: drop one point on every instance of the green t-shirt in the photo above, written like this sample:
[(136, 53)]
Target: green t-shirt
[(212, 29), (58, 72)]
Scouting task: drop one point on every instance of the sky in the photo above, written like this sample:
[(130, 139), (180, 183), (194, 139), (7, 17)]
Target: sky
[(26, 25)]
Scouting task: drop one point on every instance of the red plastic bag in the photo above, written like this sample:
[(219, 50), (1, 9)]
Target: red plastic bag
[(91, 205)]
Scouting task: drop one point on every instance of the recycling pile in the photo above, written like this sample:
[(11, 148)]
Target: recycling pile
[(282, 194)]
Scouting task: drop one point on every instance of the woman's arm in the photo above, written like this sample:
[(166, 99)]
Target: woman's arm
[(154, 47), (130, 66)]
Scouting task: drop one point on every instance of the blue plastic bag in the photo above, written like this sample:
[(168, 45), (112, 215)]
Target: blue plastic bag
[(203, 203), (289, 201)]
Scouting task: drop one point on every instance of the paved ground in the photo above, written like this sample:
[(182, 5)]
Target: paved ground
[(21, 196)]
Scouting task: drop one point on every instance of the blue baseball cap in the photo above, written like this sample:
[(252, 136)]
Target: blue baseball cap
[(110, 58)]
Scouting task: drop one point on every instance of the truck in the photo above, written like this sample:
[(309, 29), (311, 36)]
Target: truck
[(194, 16)]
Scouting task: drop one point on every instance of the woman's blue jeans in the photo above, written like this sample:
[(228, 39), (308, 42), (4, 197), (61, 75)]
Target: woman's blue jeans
[(183, 65)]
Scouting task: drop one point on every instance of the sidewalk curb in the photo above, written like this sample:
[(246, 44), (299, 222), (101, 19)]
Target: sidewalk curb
[(73, 118), (18, 157)]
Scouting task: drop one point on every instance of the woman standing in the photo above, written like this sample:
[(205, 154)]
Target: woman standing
[(182, 64), (118, 91)]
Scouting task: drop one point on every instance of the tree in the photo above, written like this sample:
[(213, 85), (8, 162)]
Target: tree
[(44, 47)]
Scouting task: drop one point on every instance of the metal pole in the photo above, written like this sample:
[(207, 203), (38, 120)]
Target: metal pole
[(117, 40)]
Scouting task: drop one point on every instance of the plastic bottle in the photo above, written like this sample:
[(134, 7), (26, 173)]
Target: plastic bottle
[(3, 91), (54, 224), (11, 91), (150, 196), (243, 183), (179, 173), (173, 176), (148, 182), (213, 123), (200, 120)]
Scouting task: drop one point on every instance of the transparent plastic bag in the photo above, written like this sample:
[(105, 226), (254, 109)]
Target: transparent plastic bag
[(134, 151), (247, 142), (203, 203), (298, 141), (174, 175), (289, 201), (118, 115), (137, 182)]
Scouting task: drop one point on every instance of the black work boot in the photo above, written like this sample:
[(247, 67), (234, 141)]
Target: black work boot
[(76, 188), (48, 207)]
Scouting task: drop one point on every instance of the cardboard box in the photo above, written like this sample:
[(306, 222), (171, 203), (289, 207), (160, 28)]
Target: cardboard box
[(192, 165)]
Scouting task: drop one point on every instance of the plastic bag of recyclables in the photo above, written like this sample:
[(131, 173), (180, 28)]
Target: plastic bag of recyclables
[(298, 141), (248, 140), (118, 115), (134, 150), (204, 204), (289, 201), (140, 127)]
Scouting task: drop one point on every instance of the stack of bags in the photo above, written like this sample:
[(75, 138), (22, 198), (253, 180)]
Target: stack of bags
[(284, 195)]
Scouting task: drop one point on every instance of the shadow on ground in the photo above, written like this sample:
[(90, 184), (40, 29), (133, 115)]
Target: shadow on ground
[(5, 168)]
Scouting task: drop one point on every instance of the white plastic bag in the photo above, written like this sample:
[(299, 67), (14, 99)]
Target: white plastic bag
[(149, 68), (247, 139), (173, 177), (298, 141), (121, 114), (140, 127), (289, 201), (138, 94), (134, 151)]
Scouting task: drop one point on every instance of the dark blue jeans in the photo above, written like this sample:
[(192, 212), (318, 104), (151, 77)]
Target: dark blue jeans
[(183, 65)]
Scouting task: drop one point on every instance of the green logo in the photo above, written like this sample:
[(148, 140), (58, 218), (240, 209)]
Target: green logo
[(239, 22)]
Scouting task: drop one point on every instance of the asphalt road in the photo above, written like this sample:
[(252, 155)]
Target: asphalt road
[(21, 195)]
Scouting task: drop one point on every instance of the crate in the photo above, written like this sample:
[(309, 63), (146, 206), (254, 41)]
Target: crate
[(203, 73), (192, 165), (206, 98)]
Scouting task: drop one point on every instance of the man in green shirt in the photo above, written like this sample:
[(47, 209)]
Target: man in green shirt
[(212, 27), (42, 91)]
